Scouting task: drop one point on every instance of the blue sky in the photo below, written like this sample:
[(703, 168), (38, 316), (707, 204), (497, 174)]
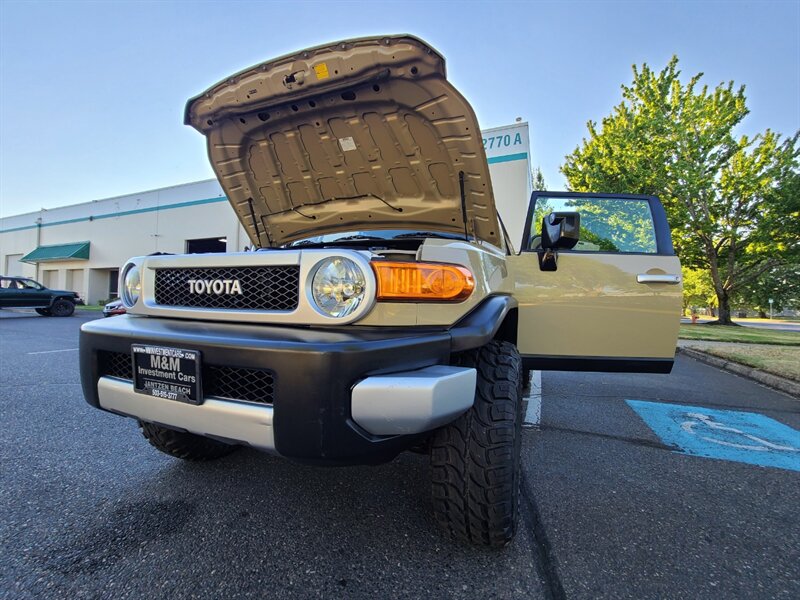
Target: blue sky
[(92, 93)]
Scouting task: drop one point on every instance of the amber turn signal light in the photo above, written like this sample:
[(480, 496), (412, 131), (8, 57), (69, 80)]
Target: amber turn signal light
[(422, 281)]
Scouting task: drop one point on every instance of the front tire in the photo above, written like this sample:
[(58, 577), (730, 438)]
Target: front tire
[(62, 308), (184, 445), (476, 459)]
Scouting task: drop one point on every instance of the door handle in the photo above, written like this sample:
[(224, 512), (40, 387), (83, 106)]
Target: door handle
[(668, 279)]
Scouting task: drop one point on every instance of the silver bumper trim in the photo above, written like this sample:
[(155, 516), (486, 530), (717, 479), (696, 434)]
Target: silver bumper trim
[(235, 421), (413, 401)]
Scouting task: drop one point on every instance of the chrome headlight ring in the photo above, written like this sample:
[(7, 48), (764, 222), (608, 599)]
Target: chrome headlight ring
[(338, 287), (131, 284)]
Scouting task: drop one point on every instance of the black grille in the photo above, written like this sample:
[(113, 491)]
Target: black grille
[(263, 288), (236, 383), (116, 364), (252, 385)]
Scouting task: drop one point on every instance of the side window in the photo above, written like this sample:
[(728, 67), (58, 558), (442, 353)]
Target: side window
[(607, 224)]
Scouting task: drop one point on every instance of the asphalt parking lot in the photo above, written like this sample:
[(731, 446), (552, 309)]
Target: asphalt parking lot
[(612, 506)]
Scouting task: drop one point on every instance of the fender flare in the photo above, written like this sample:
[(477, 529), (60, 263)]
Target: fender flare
[(482, 324)]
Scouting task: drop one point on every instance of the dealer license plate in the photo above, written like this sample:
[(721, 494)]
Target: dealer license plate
[(170, 373)]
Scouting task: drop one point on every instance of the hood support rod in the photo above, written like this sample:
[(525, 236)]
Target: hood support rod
[(463, 203), (255, 224)]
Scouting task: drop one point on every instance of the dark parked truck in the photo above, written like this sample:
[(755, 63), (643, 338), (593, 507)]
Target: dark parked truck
[(385, 309), (21, 292)]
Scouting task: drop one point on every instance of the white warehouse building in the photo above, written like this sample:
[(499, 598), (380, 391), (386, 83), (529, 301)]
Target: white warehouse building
[(81, 247)]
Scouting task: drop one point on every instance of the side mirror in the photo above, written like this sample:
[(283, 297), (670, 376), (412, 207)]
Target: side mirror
[(560, 230)]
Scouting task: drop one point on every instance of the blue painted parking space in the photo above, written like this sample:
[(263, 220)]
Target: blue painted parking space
[(745, 437)]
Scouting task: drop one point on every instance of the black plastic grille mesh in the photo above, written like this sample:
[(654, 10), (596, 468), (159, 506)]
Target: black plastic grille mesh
[(236, 383), (116, 364), (253, 385), (263, 288)]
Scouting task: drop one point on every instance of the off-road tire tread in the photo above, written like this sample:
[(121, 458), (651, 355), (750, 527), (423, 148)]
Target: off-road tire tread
[(68, 313), (183, 445), (475, 461)]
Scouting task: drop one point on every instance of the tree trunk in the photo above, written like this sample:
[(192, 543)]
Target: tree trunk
[(724, 309), (762, 314)]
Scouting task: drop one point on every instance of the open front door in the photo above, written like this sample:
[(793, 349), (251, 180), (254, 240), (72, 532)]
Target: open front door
[(609, 301)]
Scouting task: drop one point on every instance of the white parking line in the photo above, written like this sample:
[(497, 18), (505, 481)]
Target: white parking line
[(534, 413), (52, 351)]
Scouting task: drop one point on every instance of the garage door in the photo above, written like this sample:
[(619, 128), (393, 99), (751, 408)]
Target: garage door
[(13, 268), (75, 280), (50, 278)]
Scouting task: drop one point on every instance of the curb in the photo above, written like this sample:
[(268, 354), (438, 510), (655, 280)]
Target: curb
[(787, 386)]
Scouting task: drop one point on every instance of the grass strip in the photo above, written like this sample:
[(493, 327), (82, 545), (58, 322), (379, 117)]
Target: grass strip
[(747, 335), (778, 360)]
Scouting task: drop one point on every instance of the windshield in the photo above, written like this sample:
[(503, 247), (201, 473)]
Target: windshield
[(382, 235)]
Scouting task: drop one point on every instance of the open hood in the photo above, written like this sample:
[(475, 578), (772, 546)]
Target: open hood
[(358, 135)]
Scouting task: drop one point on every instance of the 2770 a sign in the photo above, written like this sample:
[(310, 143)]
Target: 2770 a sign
[(506, 140)]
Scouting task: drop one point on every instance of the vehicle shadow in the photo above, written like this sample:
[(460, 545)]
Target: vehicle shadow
[(324, 502), (305, 530)]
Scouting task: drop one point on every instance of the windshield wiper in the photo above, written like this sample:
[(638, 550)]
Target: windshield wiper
[(303, 243), (422, 234), (358, 237)]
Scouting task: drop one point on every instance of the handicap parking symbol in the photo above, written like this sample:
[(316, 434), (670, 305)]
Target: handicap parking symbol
[(746, 437)]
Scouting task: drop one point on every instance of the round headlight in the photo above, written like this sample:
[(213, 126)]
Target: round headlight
[(339, 287), (131, 285)]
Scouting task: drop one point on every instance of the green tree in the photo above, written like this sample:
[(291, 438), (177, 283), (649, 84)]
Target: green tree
[(537, 178), (729, 200), (698, 289), (782, 284)]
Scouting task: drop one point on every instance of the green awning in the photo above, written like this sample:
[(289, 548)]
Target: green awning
[(74, 251)]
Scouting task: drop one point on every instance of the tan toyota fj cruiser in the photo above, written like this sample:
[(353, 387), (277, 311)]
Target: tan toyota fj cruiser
[(385, 309)]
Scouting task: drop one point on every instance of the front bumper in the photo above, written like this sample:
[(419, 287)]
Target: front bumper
[(233, 422), (318, 374)]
